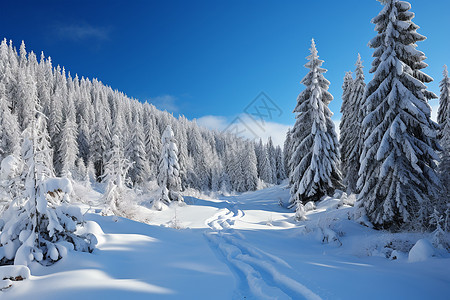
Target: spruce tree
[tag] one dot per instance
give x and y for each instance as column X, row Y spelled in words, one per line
column 9, row 128
column 69, row 144
column 350, row 137
column 168, row 172
column 116, row 169
column 250, row 172
column 135, row 152
column 280, row 170
column 397, row 173
column 272, row 157
column 444, row 132
column 287, row 152
column 315, row 148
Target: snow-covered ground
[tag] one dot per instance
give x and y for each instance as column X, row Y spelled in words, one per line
column 239, row 247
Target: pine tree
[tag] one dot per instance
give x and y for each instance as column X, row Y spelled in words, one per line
column 135, row 152
column 444, row 132
column 152, row 145
column 287, row 152
column 69, row 145
column 168, row 172
column 9, row 128
column 116, row 168
column 315, row 148
column 250, row 172
column 281, row 172
column 266, row 167
column 259, row 156
column 350, row 138
column 397, row 173
column 272, row 157
column 345, row 125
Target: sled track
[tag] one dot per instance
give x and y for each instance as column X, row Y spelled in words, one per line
column 257, row 272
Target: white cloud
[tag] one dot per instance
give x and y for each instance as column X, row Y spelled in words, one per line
column 213, row 122
column 82, row 31
column 245, row 126
column 165, row 102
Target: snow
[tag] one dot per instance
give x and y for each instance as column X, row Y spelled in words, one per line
column 235, row 247
column 421, row 251
column 55, row 184
column 9, row 167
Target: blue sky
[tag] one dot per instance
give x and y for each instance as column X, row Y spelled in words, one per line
column 212, row 58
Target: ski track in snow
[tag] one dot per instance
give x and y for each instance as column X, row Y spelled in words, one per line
column 257, row 272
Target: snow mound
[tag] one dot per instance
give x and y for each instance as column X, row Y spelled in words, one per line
column 14, row 272
column 8, row 274
column 56, row 184
column 421, row 251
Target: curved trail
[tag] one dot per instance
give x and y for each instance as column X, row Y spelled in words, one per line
column 259, row 274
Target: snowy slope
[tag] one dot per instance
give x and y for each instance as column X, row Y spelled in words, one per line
column 244, row 246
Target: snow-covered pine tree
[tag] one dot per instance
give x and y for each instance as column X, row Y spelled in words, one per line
column 168, row 172
column 357, row 100
column 259, row 155
column 350, row 138
column 116, row 169
column 272, row 157
column 315, row 148
column 344, row 126
column 281, row 172
column 183, row 159
column 99, row 141
column 266, row 167
column 40, row 226
column 398, row 161
column 287, row 152
column 444, row 132
column 69, row 145
column 27, row 92
column 249, row 170
column 9, row 128
column 135, row 152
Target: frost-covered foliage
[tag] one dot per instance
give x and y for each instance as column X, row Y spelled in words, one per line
column 279, row 167
column 9, row 128
column 39, row 225
column 11, row 183
column 116, row 168
column 398, row 161
column 68, row 149
column 169, row 171
column 287, row 152
column 350, row 126
column 135, row 151
column 315, row 153
column 444, row 133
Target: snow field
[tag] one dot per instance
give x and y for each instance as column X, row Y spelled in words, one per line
column 239, row 246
